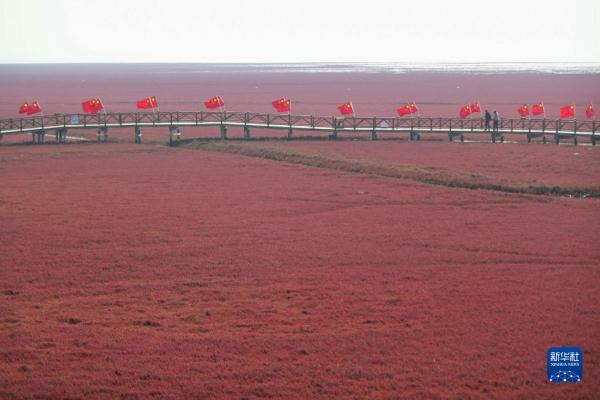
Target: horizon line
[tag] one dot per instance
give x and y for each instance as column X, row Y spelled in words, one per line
column 302, row 62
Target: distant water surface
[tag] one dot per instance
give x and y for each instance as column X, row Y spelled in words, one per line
column 397, row 68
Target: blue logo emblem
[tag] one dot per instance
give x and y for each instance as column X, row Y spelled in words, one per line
column 565, row 364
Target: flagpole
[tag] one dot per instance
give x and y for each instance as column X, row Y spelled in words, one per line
column 544, row 108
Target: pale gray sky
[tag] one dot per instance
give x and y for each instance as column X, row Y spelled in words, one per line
column 299, row 31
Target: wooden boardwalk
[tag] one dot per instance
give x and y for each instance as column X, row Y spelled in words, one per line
column 412, row 128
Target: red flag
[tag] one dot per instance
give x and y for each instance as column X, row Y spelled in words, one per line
column 92, row 106
column 346, row 108
column 404, row 110
column 148, row 102
column 538, row 109
column 24, row 109
column 215, row 102
column 475, row 107
column 465, row 111
column 408, row 108
column 567, row 111
column 523, row 110
column 34, row 108
column 282, row 105
column 589, row 111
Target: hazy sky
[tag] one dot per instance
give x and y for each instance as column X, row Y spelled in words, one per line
column 299, row 31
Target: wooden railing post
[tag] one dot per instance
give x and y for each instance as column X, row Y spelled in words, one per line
column 335, row 126
column 374, row 131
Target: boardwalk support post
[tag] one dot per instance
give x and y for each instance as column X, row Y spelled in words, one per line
column 246, row 132
column 174, row 133
column 593, row 133
column 575, row 133
column 138, row 135
column 102, row 134
column 223, row 132
column 39, row 136
column 290, row 132
column 60, row 135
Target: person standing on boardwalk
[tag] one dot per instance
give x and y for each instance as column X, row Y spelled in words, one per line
column 488, row 118
column 496, row 121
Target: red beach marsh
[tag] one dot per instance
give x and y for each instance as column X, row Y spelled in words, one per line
column 293, row 269
column 146, row 271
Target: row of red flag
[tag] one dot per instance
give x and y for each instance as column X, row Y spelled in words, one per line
column 567, row 111
column 93, row 106
column 469, row 109
column 536, row 109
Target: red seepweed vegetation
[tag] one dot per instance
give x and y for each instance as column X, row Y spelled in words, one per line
column 145, row 271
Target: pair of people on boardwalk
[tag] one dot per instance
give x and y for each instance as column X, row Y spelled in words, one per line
column 495, row 118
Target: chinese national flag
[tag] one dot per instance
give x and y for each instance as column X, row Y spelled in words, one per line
column 346, row 108
column 24, row 109
column 538, row 109
column 408, row 108
column 282, row 105
column 92, row 106
column 567, row 111
column 523, row 110
column 34, row 108
column 148, row 102
column 589, row 111
column 404, row 110
column 215, row 102
column 475, row 107
column 465, row 111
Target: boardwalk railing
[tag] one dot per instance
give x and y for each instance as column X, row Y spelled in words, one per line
column 415, row 127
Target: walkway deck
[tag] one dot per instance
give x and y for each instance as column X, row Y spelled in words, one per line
column 39, row 126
